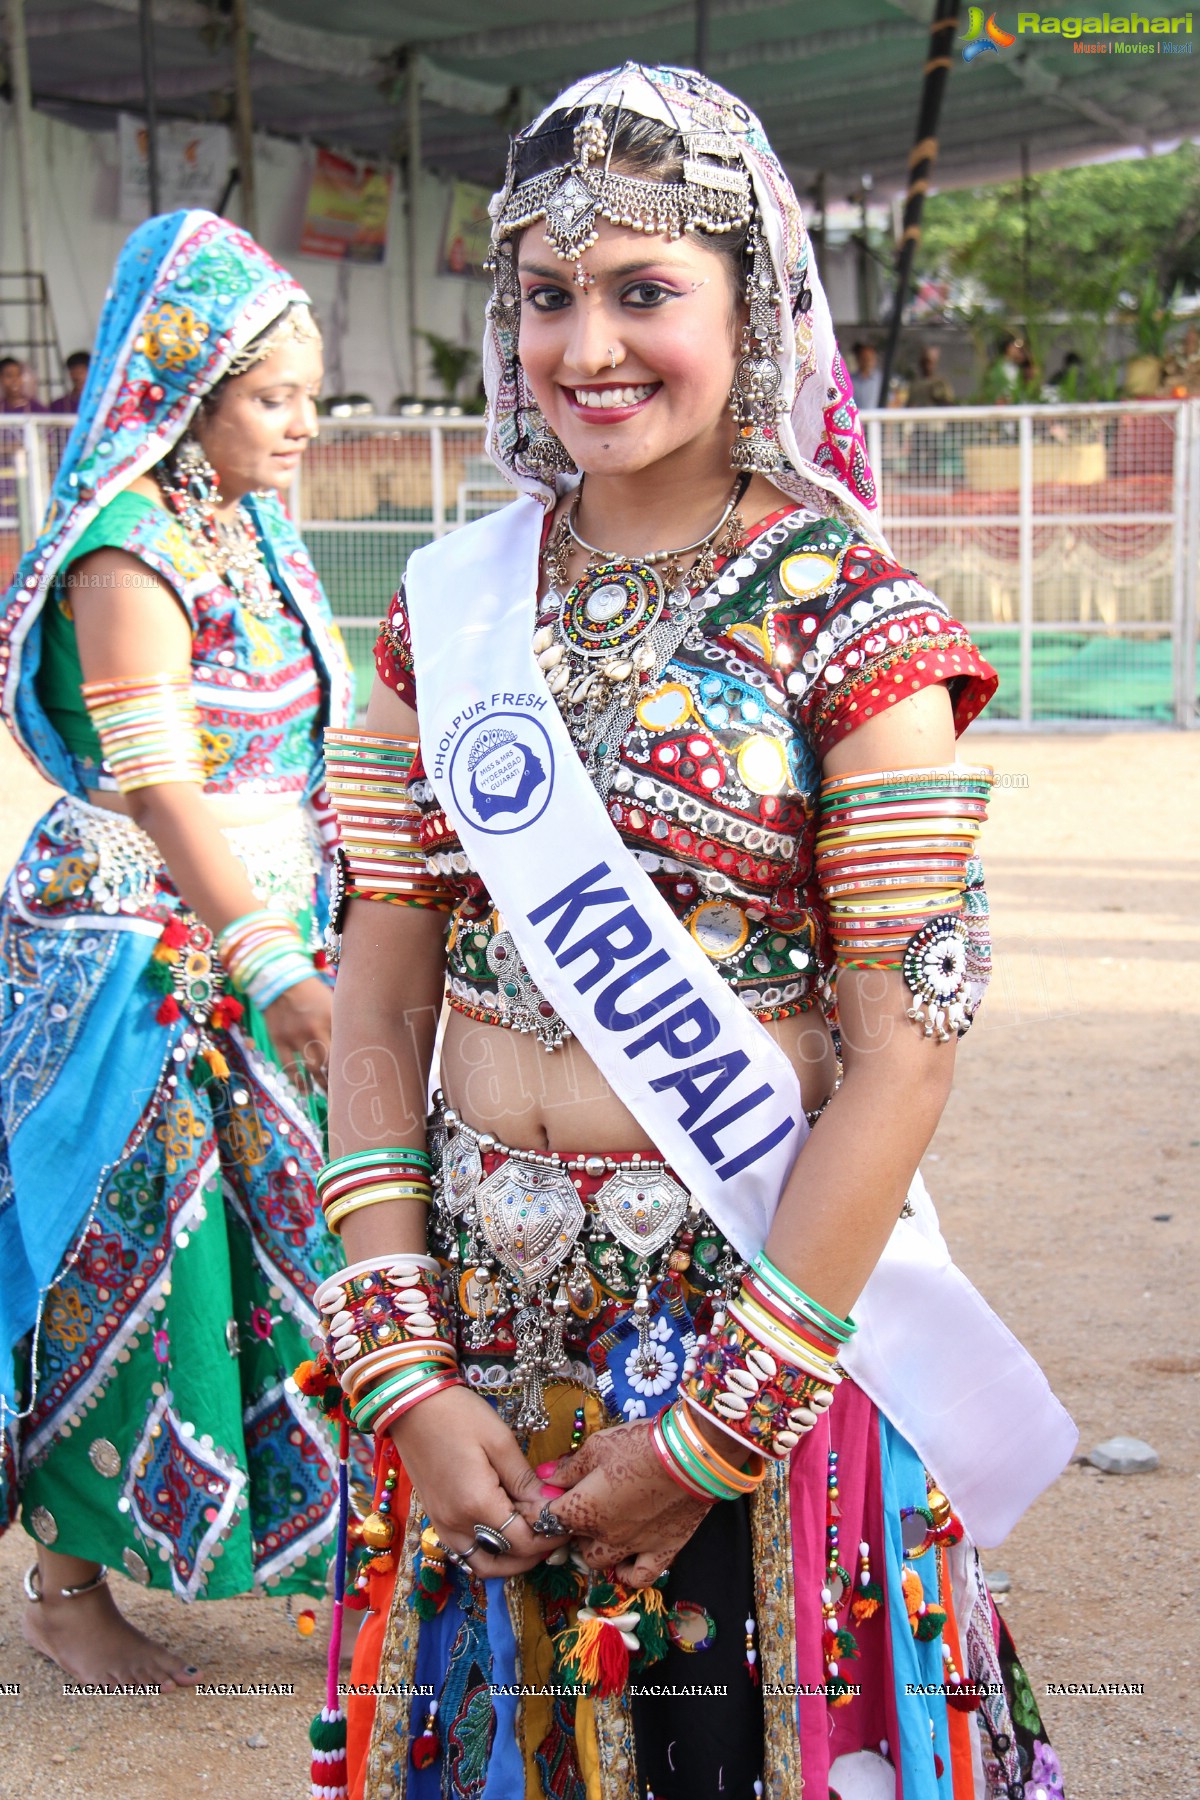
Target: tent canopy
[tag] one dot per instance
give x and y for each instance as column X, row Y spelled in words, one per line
column 836, row 86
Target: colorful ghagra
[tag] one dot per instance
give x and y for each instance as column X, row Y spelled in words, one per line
column 158, row 1224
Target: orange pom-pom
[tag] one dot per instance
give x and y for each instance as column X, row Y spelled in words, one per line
column 306, row 1623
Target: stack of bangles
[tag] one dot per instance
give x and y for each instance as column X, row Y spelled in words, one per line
column 371, row 1178
column 264, row 955
column 149, row 729
column 892, row 851
column 763, row 1376
column 389, row 1337
column 366, row 775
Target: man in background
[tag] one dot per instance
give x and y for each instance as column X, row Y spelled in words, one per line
column 15, row 386
column 78, row 364
column 929, row 388
column 866, row 378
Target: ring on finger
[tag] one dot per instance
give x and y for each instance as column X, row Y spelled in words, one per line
column 548, row 1524
column 488, row 1538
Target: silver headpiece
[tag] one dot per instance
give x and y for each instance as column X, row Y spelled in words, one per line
column 714, row 194
column 295, row 326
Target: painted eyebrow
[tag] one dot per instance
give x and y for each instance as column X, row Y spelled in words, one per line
column 559, row 274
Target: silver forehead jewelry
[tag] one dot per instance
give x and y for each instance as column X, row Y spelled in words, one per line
column 715, row 193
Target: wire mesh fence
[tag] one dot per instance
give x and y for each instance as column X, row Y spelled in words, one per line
column 1066, row 537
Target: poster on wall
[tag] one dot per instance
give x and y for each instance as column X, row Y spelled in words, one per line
column 467, row 232
column 346, row 217
column 193, row 163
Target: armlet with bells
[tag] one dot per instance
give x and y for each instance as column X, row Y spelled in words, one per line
column 903, row 886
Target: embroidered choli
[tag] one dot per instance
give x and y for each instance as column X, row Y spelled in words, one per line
column 256, row 682
column 805, row 635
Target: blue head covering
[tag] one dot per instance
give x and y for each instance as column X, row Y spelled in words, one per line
column 188, row 293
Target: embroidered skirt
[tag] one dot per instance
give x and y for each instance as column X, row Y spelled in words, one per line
column 161, row 1224
column 847, row 1554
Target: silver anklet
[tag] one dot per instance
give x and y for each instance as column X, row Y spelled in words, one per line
column 33, row 1589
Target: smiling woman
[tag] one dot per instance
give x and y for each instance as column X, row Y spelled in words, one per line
column 671, row 740
column 171, row 662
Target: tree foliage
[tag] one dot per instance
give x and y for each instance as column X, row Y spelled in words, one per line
column 1106, row 241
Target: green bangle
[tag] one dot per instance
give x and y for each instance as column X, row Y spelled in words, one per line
column 795, row 1296
column 687, row 1459
column 374, row 1402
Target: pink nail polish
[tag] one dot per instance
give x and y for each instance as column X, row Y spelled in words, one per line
column 550, row 1492
column 544, row 1469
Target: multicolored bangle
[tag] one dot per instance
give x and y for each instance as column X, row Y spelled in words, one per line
column 691, row 1461
column 372, row 1178
column 767, row 1369
column 366, row 774
column 149, row 729
column 389, row 1337
column 263, row 955
column 893, row 853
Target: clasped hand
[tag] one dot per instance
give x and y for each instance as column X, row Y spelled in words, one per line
column 620, row 1505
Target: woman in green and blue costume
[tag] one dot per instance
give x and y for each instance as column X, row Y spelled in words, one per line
column 170, row 661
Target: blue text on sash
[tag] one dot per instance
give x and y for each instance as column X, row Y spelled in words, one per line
column 593, row 923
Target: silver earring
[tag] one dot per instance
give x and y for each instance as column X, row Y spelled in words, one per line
column 542, row 450
column 754, row 399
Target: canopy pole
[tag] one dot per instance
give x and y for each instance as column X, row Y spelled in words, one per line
column 921, row 160
column 413, row 91
column 150, row 100
column 22, row 106
column 243, row 116
column 703, row 15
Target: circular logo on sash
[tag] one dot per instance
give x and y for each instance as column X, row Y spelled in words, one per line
column 502, row 773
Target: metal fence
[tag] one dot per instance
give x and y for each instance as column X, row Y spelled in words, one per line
column 1066, row 537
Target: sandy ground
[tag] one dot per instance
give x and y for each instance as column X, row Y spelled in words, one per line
column 1065, row 1171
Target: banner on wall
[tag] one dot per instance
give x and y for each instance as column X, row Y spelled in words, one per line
column 467, row 232
column 346, row 217
column 193, row 163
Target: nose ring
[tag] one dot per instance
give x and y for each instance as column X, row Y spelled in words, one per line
column 612, row 357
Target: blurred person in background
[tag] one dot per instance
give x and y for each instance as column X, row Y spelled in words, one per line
column 77, row 366
column 16, row 387
column 928, row 389
column 866, row 377
column 171, row 661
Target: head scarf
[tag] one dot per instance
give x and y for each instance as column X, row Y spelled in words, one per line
column 821, row 436
column 188, row 294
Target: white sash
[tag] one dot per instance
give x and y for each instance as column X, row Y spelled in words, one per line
column 710, row 1086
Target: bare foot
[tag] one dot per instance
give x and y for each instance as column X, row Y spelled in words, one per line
column 90, row 1640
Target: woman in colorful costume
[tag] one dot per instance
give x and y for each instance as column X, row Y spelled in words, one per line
column 169, row 660
column 707, row 1523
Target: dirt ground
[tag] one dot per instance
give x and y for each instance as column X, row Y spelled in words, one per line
column 1065, row 1172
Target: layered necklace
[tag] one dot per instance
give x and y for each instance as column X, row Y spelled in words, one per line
column 189, row 487
column 601, row 638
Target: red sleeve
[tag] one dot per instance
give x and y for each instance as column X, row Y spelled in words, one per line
column 393, row 652
column 882, row 637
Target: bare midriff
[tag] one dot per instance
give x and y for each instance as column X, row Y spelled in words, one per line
column 504, row 1082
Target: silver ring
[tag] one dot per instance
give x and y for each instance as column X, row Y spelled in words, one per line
column 547, row 1524
column 488, row 1538
column 612, row 357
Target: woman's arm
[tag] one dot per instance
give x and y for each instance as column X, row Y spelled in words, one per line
column 464, row 1462
column 850, row 1180
column 387, row 1001
column 129, row 624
